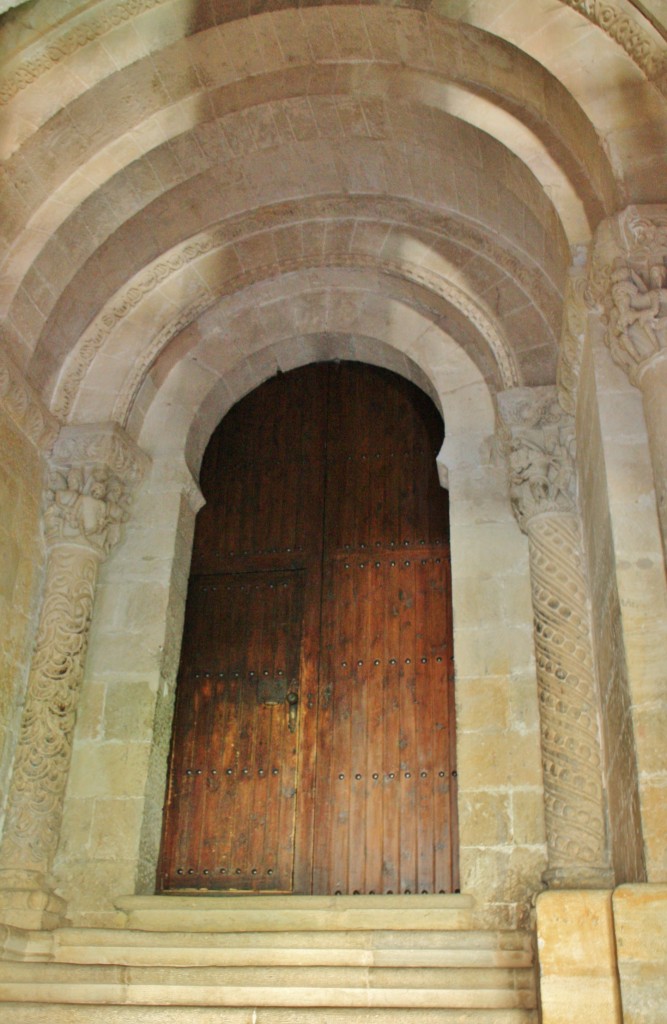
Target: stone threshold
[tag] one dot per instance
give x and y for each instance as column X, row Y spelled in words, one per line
column 238, row 912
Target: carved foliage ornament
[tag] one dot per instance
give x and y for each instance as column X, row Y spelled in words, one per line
column 538, row 439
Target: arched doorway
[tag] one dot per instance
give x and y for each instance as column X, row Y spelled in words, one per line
column 313, row 747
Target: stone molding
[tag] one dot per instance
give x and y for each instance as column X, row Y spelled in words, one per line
column 575, row 314
column 171, row 473
column 626, row 30
column 24, row 407
column 537, row 436
column 67, row 37
column 87, row 499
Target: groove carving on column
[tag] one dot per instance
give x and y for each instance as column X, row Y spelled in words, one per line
column 571, row 753
column 538, row 439
column 45, row 739
column 86, row 503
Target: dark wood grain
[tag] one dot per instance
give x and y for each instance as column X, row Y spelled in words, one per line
column 321, row 558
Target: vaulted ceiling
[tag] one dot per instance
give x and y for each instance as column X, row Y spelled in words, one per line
column 197, row 191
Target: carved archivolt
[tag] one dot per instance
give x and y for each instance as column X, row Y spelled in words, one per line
column 627, row 30
column 538, row 438
column 128, row 298
column 24, row 407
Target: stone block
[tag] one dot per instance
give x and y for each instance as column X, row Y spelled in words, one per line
column 129, row 711
column 484, row 818
column 528, row 816
column 640, row 922
column 577, row 958
column 109, row 769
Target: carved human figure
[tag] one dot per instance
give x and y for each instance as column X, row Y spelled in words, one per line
column 638, row 317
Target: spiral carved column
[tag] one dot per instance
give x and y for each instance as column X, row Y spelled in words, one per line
column 538, row 438
column 86, row 503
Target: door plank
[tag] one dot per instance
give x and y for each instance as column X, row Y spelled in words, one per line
column 328, row 466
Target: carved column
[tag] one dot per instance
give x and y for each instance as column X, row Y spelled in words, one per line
column 93, row 471
column 629, row 283
column 538, row 437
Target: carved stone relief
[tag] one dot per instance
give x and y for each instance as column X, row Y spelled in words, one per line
column 628, row 288
column 86, row 503
column 538, row 438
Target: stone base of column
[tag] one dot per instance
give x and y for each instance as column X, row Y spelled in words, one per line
column 26, row 901
column 579, row 878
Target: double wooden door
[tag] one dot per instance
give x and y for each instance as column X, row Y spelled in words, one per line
column 313, row 743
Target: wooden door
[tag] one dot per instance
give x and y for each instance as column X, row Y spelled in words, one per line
column 313, row 740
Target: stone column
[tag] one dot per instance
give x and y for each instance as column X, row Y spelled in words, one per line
column 93, row 470
column 538, row 437
column 628, row 282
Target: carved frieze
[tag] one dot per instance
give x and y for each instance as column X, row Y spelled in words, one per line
column 538, row 438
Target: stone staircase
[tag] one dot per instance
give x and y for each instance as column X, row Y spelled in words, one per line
column 272, row 960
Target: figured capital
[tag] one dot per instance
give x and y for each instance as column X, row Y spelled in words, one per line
column 537, row 436
column 93, row 472
column 628, row 285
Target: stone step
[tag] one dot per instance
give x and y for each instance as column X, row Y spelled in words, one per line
column 295, row 985
column 33, row 1013
column 230, row 913
column 292, row 975
column 376, row 949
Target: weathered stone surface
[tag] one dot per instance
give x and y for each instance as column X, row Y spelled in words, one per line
column 578, row 975
column 640, row 923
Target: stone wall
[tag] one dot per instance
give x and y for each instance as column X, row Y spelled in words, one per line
column 21, row 565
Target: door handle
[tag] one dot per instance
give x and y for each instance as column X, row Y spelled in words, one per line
column 292, row 700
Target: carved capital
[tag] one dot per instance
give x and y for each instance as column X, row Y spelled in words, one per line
column 24, row 407
column 93, row 472
column 628, row 284
column 537, row 436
